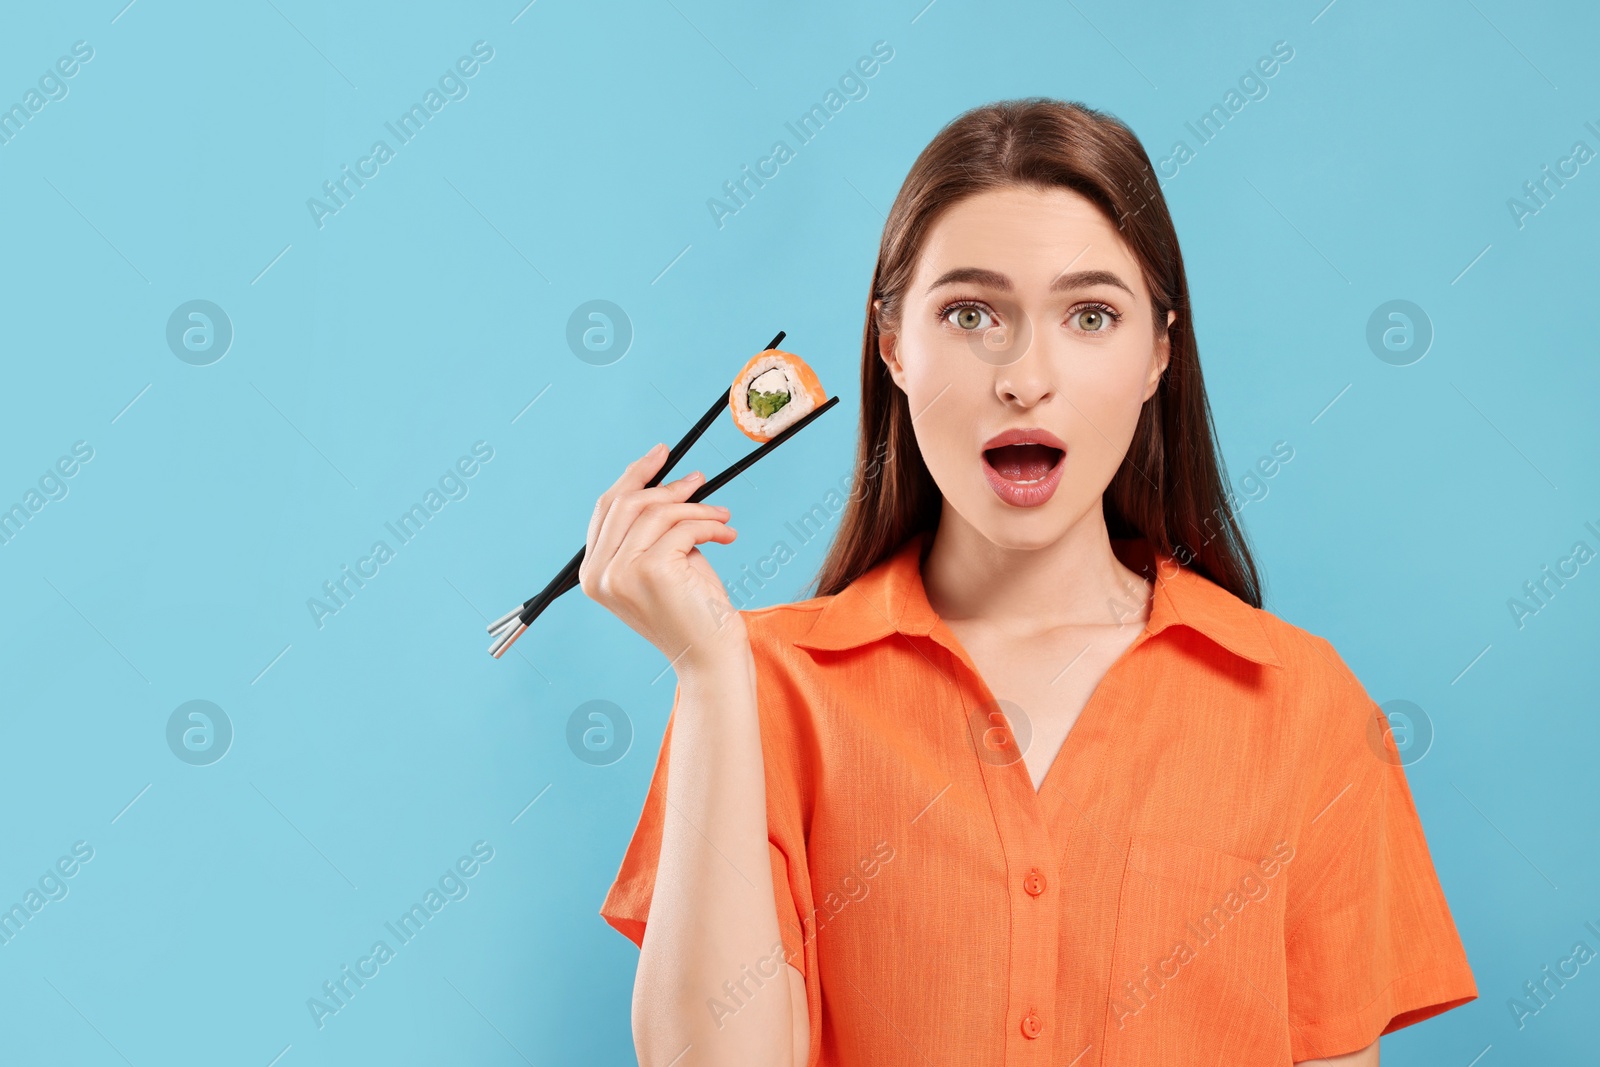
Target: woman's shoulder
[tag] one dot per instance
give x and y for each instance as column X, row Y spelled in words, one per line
column 795, row 645
column 1294, row 657
column 1312, row 667
column 799, row 613
column 1308, row 695
column 775, row 629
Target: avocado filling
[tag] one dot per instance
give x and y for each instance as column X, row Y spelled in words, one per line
column 765, row 405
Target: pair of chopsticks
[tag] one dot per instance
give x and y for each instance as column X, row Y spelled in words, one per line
column 514, row 623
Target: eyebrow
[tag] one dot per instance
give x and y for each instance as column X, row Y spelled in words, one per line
column 994, row 279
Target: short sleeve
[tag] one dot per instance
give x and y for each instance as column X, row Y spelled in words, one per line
column 627, row 903
column 1370, row 943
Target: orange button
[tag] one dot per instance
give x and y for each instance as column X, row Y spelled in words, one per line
column 1032, row 1025
column 1034, row 882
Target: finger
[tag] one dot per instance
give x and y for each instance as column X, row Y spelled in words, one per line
column 634, row 476
column 685, row 535
column 646, row 531
column 625, row 510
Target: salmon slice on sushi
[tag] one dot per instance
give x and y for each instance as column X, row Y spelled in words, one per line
column 773, row 391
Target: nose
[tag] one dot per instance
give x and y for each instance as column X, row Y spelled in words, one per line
column 1026, row 382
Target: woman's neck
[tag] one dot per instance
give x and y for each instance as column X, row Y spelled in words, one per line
column 1075, row 581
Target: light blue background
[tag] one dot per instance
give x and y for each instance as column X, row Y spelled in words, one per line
column 425, row 316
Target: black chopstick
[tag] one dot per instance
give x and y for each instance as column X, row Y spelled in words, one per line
column 557, row 585
column 514, row 623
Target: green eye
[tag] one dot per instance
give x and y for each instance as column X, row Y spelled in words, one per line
column 1096, row 318
column 969, row 318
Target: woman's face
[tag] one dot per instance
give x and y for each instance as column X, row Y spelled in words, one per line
column 1026, row 313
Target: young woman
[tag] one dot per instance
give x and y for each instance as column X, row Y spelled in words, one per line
column 1033, row 779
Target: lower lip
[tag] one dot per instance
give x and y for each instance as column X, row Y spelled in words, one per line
column 1024, row 495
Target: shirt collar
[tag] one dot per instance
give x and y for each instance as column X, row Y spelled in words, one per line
column 889, row 598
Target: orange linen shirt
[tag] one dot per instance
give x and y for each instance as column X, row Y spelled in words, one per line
column 1223, row 865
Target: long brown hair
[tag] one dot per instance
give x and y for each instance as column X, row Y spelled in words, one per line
column 1171, row 490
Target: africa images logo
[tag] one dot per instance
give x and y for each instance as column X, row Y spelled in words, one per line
column 452, row 86
column 741, row 189
column 1137, row 994
column 453, row 885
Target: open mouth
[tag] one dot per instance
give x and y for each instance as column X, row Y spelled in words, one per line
column 1024, row 475
column 1024, row 464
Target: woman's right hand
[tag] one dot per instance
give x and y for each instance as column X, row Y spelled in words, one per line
column 641, row 563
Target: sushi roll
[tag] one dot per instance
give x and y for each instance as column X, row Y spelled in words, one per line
column 772, row 392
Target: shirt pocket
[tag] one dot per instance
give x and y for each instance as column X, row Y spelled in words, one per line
column 1197, row 968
